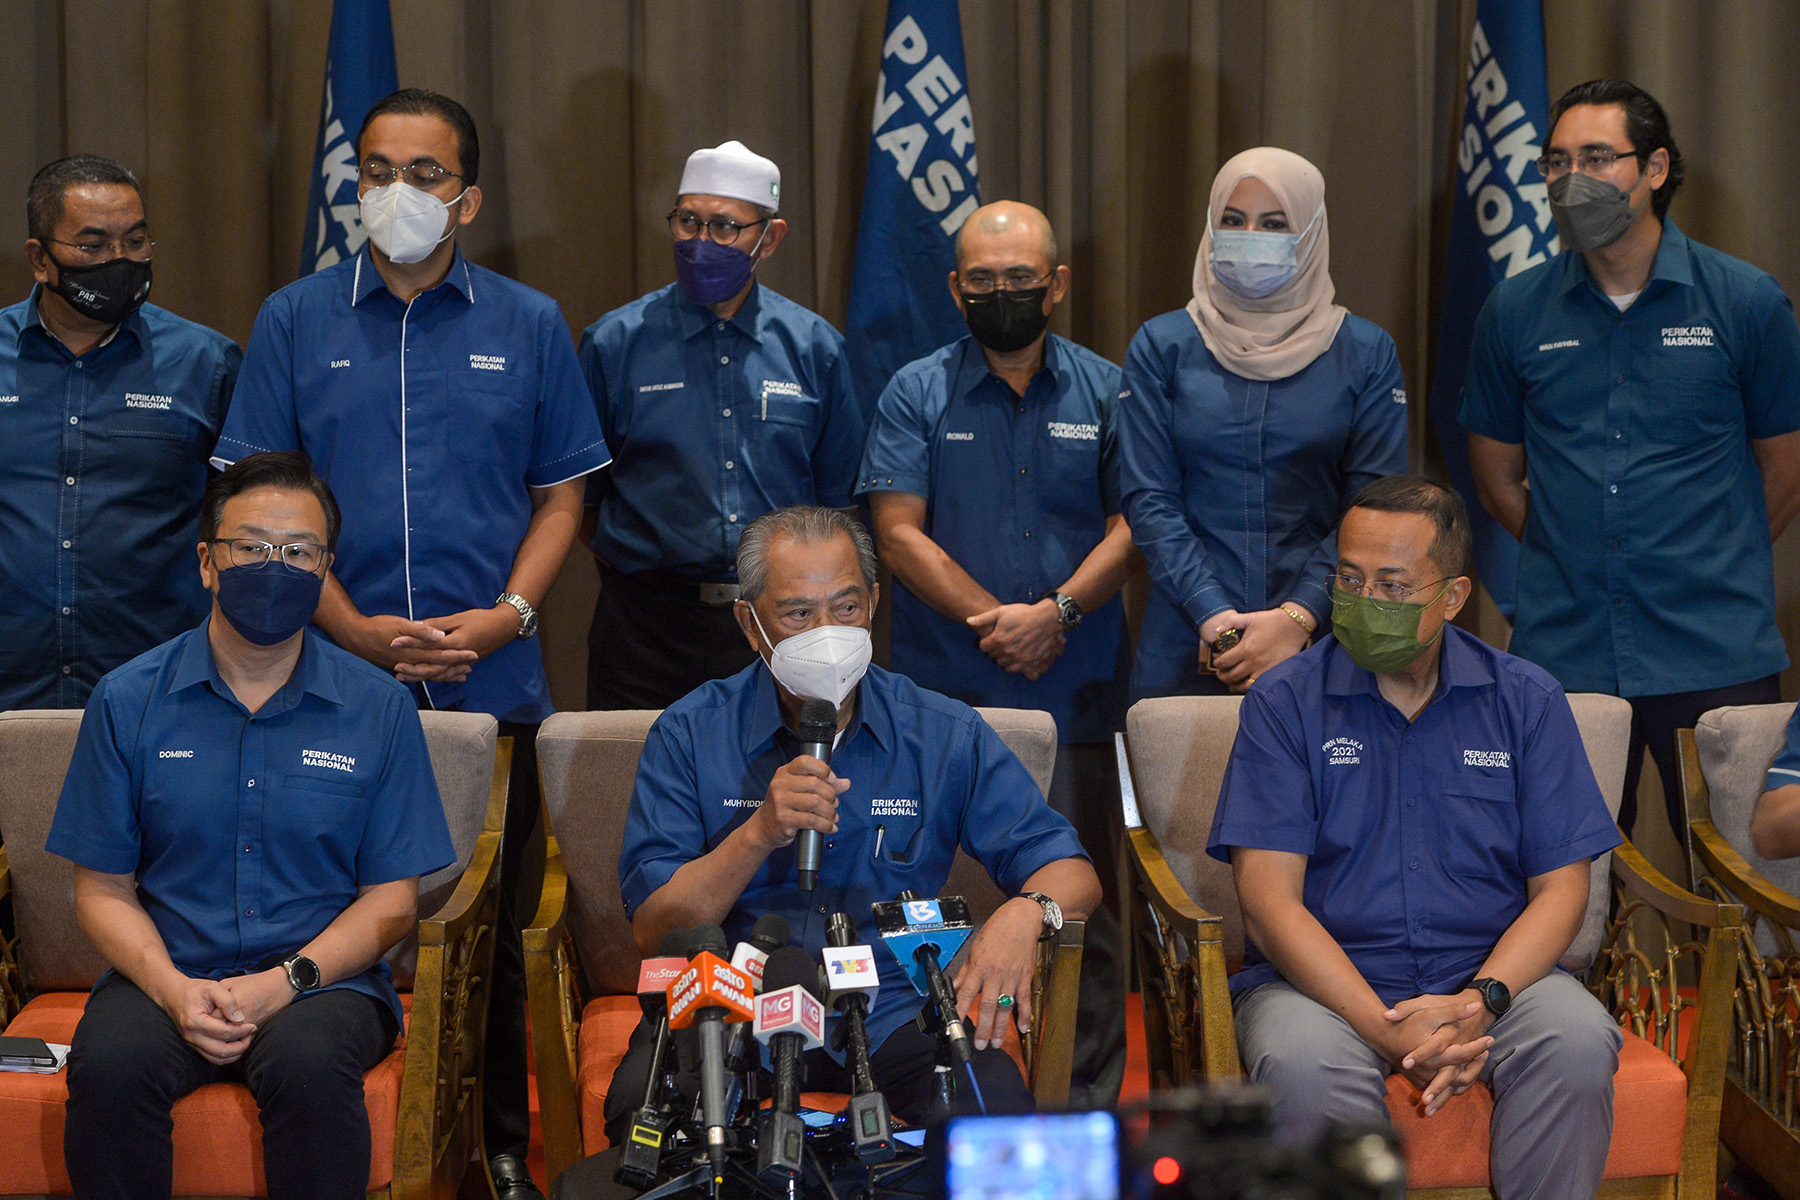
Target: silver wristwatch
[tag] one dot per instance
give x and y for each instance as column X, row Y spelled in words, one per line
column 1053, row 918
column 528, row 616
column 1068, row 612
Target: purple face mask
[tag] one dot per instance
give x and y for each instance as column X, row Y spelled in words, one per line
column 711, row 273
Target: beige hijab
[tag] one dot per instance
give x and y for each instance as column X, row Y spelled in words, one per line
column 1279, row 335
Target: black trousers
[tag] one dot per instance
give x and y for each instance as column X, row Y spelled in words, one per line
column 653, row 641
column 1654, row 720
column 129, row 1064
column 506, row 1100
column 1085, row 789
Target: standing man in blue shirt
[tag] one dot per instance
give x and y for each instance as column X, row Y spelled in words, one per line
column 722, row 401
column 1633, row 408
column 992, row 476
column 109, row 408
column 249, row 810
column 445, row 405
column 1410, row 817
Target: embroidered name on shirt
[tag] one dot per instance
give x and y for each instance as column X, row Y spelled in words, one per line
column 146, row 400
column 1487, row 758
column 662, row 387
column 742, row 802
column 487, row 362
column 1567, row 343
column 339, row 363
column 893, row 806
column 324, row 758
column 174, row 754
column 9, row 399
column 959, row 437
column 1074, row 432
column 1342, row 752
column 1688, row 335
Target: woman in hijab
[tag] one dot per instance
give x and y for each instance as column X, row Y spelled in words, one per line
column 1247, row 421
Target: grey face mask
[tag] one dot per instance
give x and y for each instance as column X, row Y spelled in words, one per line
column 1590, row 213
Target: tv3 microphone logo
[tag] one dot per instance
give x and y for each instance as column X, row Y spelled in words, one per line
column 852, row 966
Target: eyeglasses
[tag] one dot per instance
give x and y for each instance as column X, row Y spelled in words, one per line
column 93, row 250
column 983, row 283
column 296, row 556
column 420, row 175
column 1389, row 595
column 723, row 230
column 1589, row 162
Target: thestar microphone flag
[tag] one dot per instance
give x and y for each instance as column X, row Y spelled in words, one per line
column 359, row 70
column 1500, row 225
column 920, row 187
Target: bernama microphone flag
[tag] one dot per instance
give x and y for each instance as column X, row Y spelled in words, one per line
column 1500, row 225
column 920, row 187
column 359, row 70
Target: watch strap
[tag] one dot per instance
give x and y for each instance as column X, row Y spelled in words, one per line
column 528, row 615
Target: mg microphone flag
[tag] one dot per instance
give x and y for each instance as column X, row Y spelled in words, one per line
column 359, row 70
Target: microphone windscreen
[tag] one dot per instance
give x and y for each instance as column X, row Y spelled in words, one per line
column 770, row 933
column 674, row 942
column 818, row 721
column 709, row 938
column 791, row 966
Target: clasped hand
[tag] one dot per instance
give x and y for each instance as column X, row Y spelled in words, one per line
column 1269, row 637
column 1439, row 1043
column 219, row 1017
column 441, row 649
column 1023, row 638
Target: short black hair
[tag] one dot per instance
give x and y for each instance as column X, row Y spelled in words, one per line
column 44, row 198
column 1452, row 546
column 418, row 102
column 1646, row 124
column 289, row 470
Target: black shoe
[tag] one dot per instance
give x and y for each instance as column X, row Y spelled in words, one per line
column 511, row 1180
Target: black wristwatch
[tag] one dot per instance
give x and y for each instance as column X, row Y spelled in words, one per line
column 1494, row 994
column 302, row 973
column 1068, row 612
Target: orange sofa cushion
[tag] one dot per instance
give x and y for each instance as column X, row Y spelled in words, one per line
column 218, row 1137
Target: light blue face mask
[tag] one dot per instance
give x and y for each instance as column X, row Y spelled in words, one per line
column 1253, row 263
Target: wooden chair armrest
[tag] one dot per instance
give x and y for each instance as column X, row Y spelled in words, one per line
column 1056, row 989
column 1741, row 879
column 1161, row 888
column 1646, row 883
column 552, row 995
column 12, row 983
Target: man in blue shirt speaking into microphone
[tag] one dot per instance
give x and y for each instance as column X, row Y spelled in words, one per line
column 723, row 791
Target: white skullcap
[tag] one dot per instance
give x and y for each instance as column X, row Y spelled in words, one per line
column 733, row 171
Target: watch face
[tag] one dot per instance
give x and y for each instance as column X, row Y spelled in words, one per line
column 303, row 973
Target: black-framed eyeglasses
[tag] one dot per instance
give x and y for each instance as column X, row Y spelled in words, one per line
column 983, row 283
column 297, row 556
column 723, row 230
column 132, row 245
column 420, row 175
column 1389, row 595
column 1589, row 162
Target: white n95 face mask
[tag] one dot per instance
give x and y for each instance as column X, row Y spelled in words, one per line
column 824, row 663
column 405, row 223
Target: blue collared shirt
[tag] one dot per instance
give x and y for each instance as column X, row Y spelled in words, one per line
column 250, row 833
column 432, row 463
column 1017, row 491
column 714, row 424
column 1233, row 487
column 926, row 775
column 1785, row 770
column 102, row 464
column 1646, row 566
column 1419, row 836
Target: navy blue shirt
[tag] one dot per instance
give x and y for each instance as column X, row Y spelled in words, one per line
column 714, row 423
column 431, row 463
column 926, row 774
column 102, row 464
column 1419, row 836
column 250, row 833
column 1233, row 487
column 1017, row 491
column 1646, row 567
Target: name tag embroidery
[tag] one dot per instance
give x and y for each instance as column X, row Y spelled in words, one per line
column 1342, row 752
column 487, row 362
column 1687, row 335
column 145, row 400
column 1488, row 758
column 1072, row 431
column 1565, row 344
column 328, row 760
column 894, row 806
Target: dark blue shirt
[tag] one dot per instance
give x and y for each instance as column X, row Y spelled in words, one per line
column 926, row 774
column 1785, row 770
column 1646, row 566
column 1017, row 491
column 1419, row 836
column 102, row 464
column 250, row 833
column 714, row 423
column 1233, row 487
column 432, row 463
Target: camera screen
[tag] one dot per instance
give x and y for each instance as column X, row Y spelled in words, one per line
column 1043, row 1156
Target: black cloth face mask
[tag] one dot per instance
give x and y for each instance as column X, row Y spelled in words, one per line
column 1006, row 321
column 108, row 292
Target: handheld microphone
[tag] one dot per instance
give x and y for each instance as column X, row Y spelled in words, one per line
column 706, row 995
column 789, row 1020
column 852, row 981
column 769, row 934
column 818, row 730
column 924, row 934
column 641, row 1156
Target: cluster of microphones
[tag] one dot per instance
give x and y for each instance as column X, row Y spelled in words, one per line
column 712, row 1009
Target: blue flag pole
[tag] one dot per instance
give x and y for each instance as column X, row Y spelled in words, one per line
column 1500, row 225
column 359, row 70
column 920, row 187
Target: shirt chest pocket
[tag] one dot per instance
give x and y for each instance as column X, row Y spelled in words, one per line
column 163, row 424
column 786, row 408
column 313, row 810
column 1698, row 387
column 1477, row 826
column 490, row 417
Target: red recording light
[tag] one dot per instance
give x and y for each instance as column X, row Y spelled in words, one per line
column 1165, row 1170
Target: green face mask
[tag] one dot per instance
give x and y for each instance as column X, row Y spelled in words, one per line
column 1378, row 640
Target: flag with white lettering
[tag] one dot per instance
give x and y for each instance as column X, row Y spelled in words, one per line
column 1500, row 225
column 359, row 70
column 920, row 187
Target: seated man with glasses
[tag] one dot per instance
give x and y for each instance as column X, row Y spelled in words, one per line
column 249, row 810
column 1410, row 819
column 721, row 400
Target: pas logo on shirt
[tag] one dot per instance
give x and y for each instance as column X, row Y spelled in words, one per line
column 1488, row 758
column 1687, row 335
column 1074, row 431
column 1342, row 752
column 894, row 806
column 328, row 760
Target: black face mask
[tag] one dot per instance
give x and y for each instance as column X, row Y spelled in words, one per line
column 1006, row 321
column 107, row 293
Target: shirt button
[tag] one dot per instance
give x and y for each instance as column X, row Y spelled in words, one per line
column 726, row 413
column 70, row 480
column 66, row 670
column 821, row 910
column 1613, row 488
column 66, row 612
column 1028, row 533
column 729, row 465
column 1021, row 470
column 1410, row 803
column 67, row 545
column 246, row 849
column 1617, row 434
column 250, row 783
column 732, row 518
column 249, row 912
column 1413, row 865
column 75, row 420
column 720, row 327
column 724, row 358
column 1021, row 408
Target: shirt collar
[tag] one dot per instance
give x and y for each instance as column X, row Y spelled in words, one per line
column 195, row 665
column 133, row 324
column 765, row 721
column 366, row 280
column 971, row 366
column 1459, row 665
column 1673, row 262
column 694, row 319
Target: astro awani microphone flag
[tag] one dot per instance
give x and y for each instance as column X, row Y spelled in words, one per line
column 359, row 70
column 920, row 187
column 1500, row 225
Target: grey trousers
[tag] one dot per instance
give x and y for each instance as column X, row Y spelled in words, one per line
column 1550, row 1069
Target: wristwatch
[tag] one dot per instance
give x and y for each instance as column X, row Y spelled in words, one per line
column 528, row 617
column 1068, row 611
column 1494, row 994
column 1053, row 918
column 302, row 973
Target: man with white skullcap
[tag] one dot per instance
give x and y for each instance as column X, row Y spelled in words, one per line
column 721, row 401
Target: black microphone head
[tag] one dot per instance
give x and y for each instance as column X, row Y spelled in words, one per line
column 674, row 943
column 708, row 938
column 791, row 966
column 770, row 933
column 818, row 721
column 840, row 930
